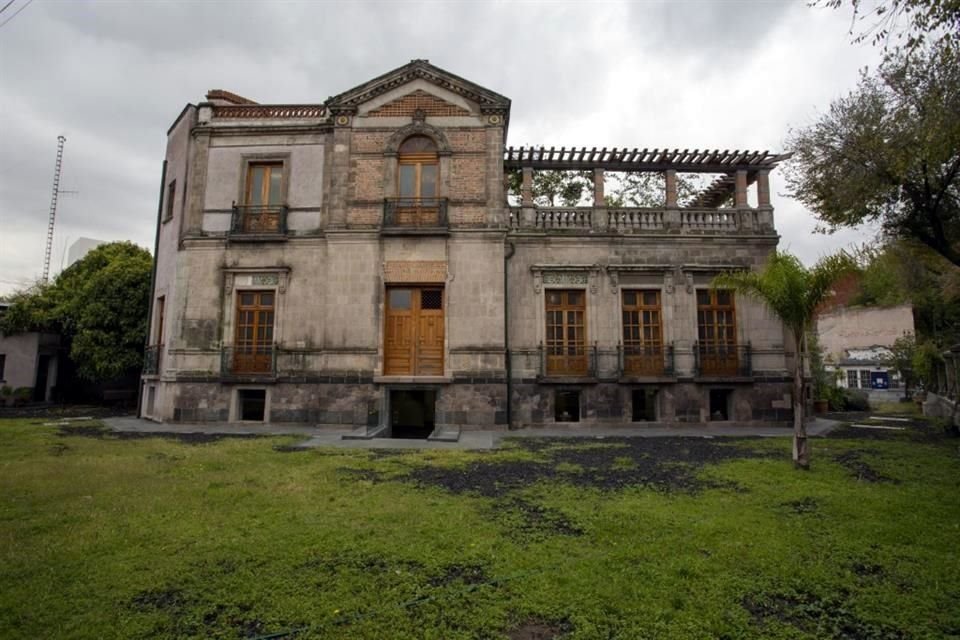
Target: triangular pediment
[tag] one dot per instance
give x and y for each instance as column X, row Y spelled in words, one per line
column 419, row 82
column 418, row 100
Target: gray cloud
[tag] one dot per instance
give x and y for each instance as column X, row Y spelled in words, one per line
column 112, row 76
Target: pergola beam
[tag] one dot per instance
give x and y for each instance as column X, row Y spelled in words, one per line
column 696, row 161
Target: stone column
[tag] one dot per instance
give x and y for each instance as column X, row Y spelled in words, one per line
column 598, row 218
column 763, row 188
column 528, row 212
column 526, row 188
column 671, row 176
column 740, row 193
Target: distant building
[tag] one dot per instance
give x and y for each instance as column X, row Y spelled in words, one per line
column 856, row 340
column 29, row 360
column 81, row 248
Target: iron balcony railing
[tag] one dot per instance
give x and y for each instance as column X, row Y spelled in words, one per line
column 252, row 359
column 256, row 220
column 151, row 359
column 415, row 213
column 638, row 361
column 714, row 360
column 572, row 361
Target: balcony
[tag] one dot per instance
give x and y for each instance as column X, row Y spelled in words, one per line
column 415, row 215
column 258, row 222
column 723, row 360
column 249, row 361
column 639, row 220
column 642, row 361
column 568, row 365
column 151, row 359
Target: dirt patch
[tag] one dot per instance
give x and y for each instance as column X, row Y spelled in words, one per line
column 165, row 599
column 826, row 618
column 540, row 630
column 468, row 574
column 802, row 506
column 100, row 432
column 853, row 462
column 667, row 464
column 528, row 521
column 916, row 430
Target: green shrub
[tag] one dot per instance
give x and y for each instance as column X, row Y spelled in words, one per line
column 855, row 400
column 22, row 395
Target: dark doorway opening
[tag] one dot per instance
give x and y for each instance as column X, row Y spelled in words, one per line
column 43, row 371
column 567, row 406
column 720, row 404
column 644, row 405
column 412, row 413
column 253, row 404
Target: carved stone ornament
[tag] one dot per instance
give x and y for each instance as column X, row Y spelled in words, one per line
column 668, row 285
column 689, row 278
column 228, row 283
column 266, row 279
column 594, row 278
column 419, row 115
column 417, row 128
column 564, row 278
column 614, row 277
column 537, row 281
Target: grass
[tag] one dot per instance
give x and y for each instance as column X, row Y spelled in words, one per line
column 104, row 537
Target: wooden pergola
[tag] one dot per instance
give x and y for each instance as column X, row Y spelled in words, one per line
column 738, row 169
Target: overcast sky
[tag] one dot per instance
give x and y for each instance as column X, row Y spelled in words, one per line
column 112, row 76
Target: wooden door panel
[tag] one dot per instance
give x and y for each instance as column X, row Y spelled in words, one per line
column 413, row 335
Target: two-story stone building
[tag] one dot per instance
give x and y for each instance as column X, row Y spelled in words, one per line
column 356, row 263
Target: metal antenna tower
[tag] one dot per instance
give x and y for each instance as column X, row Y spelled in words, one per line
column 53, row 207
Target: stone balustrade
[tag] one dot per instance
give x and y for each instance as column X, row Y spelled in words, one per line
column 627, row 220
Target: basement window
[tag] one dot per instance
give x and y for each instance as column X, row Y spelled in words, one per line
column 252, row 404
column 644, row 405
column 567, row 406
column 720, row 404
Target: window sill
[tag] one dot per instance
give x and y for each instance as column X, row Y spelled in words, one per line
column 567, row 380
column 412, row 379
column 646, row 379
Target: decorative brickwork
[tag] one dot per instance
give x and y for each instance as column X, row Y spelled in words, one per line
column 415, row 271
column 429, row 104
column 368, row 178
column 468, row 215
column 468, row 178
column 466, row 141
column 370, row 141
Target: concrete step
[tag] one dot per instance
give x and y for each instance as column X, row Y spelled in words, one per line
column 366, row 433
column 445, row 434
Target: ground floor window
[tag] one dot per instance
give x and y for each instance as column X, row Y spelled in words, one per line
column 720, row 404
column 567, row 406
column 851, row 378
column 864, row 378
column 644, row 405
column 252, row 404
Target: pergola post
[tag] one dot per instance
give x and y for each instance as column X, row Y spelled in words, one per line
column 740, row 191
column 765, row 213
column 599, row 218
column 526, row 188
column 671, row 176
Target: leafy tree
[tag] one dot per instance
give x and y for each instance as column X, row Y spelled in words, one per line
column 647, row 189
column 99, row 306
column 568, row 188
column 888, row 152
column 902, row 355
column 906, row 21
column 793, row 292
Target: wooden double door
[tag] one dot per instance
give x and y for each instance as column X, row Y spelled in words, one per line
column 413, row 335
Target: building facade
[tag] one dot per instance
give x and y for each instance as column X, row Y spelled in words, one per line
column 357, row 263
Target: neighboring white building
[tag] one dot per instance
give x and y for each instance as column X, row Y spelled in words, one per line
column 29, row 360
column 81, row 248
column 856, row 340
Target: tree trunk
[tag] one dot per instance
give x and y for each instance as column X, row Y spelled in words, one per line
column 801, row 453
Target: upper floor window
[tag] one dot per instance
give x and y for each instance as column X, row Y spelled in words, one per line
column 171, row 193
column 717, row 332
column 264, row 184
column 418, row 168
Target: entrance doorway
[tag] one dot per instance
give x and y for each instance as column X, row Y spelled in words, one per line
column 412, row 413
column 413, row 336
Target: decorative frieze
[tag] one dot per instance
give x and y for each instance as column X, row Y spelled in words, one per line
column 415, row 271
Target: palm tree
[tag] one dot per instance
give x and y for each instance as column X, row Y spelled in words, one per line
column 793, row 293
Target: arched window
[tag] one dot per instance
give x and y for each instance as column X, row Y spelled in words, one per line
column 418, row 168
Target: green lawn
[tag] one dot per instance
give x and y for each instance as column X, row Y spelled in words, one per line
column 103, row 537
